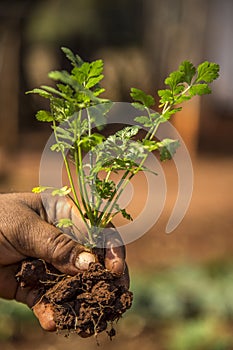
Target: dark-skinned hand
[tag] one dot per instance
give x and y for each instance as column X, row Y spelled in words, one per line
column 27, row 230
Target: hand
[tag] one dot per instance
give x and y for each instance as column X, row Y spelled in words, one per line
column 26, row 230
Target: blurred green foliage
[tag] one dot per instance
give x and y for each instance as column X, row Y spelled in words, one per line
column 184, row 292
column 192, row 305
column 200, row 335
column 12, row 316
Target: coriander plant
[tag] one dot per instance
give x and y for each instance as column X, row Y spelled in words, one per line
column 77, row 114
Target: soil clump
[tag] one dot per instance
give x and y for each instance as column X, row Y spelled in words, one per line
column 86, row 303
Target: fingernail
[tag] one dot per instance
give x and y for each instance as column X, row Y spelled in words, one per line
column 116, row 266
column 83, row 260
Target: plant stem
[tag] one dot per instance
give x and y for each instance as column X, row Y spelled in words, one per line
column 70, row 178
column 106, row 212
column 90, row 158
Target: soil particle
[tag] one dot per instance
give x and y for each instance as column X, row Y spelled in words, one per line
column 85, row 303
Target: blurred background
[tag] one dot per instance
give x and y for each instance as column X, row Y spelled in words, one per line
column 182, row 282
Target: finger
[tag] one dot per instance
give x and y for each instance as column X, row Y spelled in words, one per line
column 53, row 208
column 124, row 279
column 36, row 238
column 114, row 251
column 63, row 207
column 45, row 314
column 8, row 283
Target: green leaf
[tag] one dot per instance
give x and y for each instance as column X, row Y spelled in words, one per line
column 75, row 59
column 140, row 96
column 66, row 90
column 167, row 148
column 89, row 142
column 53, row 91
column 126, row 215
column 40, row 189
column 167, row 115
column 207, row 72
column 44, row 116
column 64, row 223
column 40, row 92
column 89, row 74
column 105, row 188
column 127, row 132
column 144, row 120
column 61, row 191
column 189, row 71
column 166, row 96
column 138, row 105
column 174, row 79
column 94, row 81
column 95, row 74
column 150, row 145
column 98, row 113
column 61, row 146
column 199, row 89
column 98, row 91
column 96, row 68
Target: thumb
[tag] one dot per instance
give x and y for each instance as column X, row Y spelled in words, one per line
column 58, row 249
column 32, row 236
column 39, row 239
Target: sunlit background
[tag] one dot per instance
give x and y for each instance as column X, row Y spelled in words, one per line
column 182, row 282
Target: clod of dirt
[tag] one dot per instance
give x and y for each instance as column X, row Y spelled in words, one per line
column 85, row 303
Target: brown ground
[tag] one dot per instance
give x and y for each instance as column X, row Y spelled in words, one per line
column 205, row 234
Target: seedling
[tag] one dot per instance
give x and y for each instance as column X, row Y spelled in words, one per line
column 77, row 114
column 87, row 302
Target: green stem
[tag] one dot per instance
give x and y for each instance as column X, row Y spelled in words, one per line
column 82, row 183
column 70, row 178
column 90, row 157
column 106, row 212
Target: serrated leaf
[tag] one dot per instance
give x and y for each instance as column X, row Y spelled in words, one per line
column 126, row 215
column 174, row 79
column 207, row 72
column 144, row 120
column 93, row 81
column 75, row 59
column 96, row 67
column 89, row 142
column 98, row 113
column 61, row 146
column 138, row 105
column 66, row 90
column 167, row 148
column 98, row 91
column 140, row 96
column 189, row 71
column 199, row 89
column 165, row 95
column 105, row 188
column 44, row 116
column 66, row 78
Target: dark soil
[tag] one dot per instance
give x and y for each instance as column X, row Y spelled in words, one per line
column 86, row 303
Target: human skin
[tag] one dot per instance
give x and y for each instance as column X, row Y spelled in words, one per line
column 27, row 230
